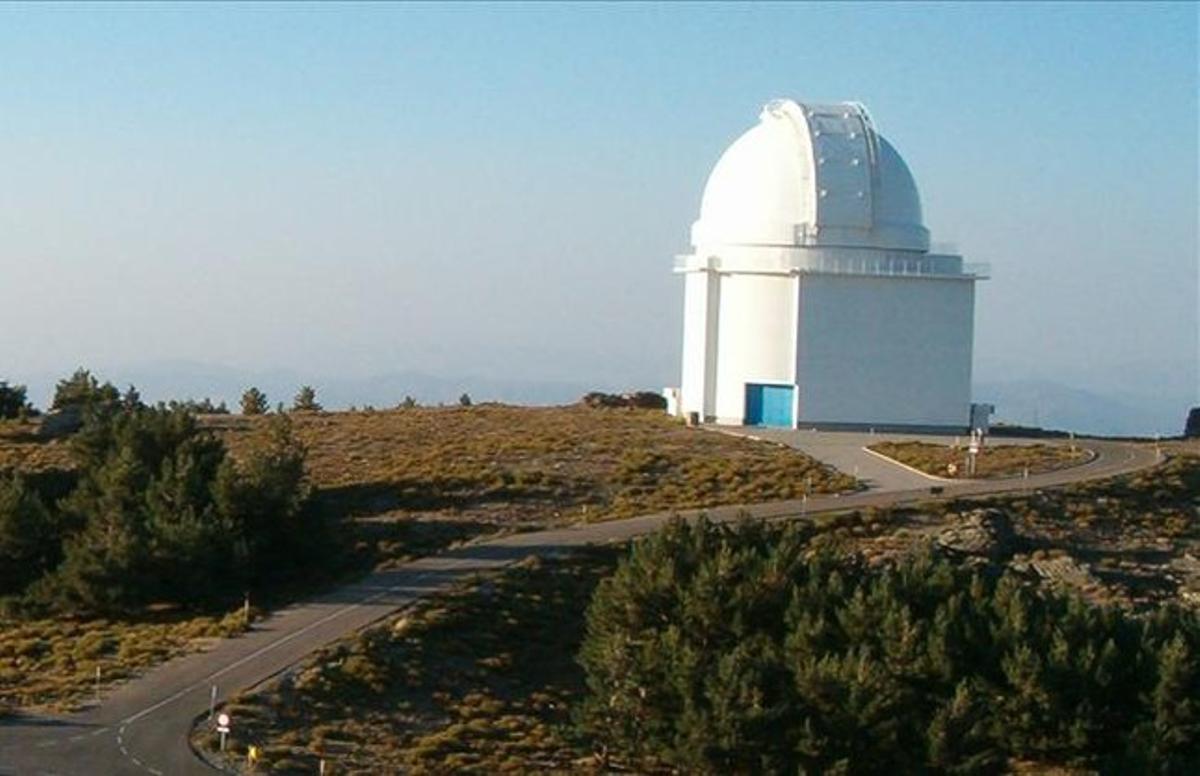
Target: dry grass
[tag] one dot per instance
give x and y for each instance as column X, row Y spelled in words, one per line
column 21, row 449
column 537, row 465
column 479, row 680
column 514, row 465
column 51, row 663
column 993, row 461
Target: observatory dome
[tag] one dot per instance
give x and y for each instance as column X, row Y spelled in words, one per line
column 812, row 175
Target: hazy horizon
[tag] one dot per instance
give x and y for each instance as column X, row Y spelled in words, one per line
column 352, row 192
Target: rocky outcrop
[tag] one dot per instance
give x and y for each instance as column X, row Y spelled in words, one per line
column 1065, row 571
column 60, row 422
column 981, row 533
column 645, row 400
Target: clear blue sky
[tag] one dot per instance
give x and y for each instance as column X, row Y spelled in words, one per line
column 341, row 189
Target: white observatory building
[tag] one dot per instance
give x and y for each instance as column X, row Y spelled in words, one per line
column 811, row 296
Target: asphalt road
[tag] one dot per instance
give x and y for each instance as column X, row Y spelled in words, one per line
column 142, row 726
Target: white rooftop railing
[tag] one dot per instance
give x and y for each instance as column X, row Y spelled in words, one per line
column 926, row 265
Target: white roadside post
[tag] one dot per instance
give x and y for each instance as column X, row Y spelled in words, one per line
column 212, row 702
column 97, row 683
column 223, row 728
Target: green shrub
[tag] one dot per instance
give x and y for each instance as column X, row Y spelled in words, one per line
column 738, row 649
column 162, row 514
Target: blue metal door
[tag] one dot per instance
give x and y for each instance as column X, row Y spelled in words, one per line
column 754, row 404
column 769, row 405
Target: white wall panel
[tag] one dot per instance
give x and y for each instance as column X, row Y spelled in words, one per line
column 885, row 350
column 755, row 340
column 695, row 342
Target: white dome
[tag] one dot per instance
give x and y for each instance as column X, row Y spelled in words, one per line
column 812, row 175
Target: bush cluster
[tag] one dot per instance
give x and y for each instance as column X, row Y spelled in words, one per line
column 645, row 400
column 82, row 390
column 158, row 512
column 739, row 649
column 13, row 401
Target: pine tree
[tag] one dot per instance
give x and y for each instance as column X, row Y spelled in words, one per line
column 737, row 648
column 83, row 390
column 13, row 402
column 264, row 498
column 30, row 536
column 1176, row 707
column 306, row 400
column 131, row 399
column 960, row 736
column 254, row 402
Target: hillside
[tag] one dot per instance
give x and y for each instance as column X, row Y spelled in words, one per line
column 536, row 465
column 485, row 678
column 400, row 484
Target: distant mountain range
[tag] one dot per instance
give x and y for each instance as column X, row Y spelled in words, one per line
column 1039, row 402
column 185, row 380
column 1054, row 405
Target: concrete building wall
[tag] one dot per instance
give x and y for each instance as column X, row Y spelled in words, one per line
column 755, row 341
column 875, row 350
column 701, row 314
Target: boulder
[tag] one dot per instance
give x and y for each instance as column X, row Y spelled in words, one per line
column 60, row 422
column 980, row 533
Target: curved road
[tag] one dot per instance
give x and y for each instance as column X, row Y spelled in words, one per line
column 142, row 726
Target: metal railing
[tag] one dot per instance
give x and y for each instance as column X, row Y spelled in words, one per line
column 926, row 265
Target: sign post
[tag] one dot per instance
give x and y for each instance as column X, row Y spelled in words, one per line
column 223, row 728
column 973, row 450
